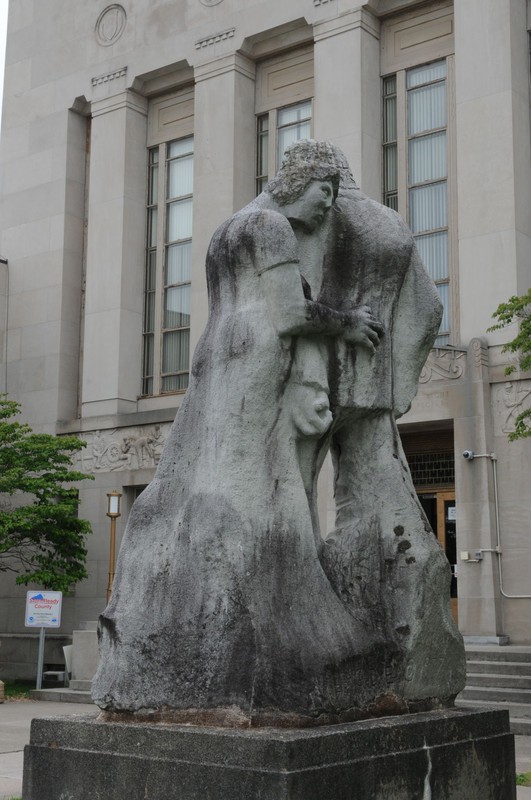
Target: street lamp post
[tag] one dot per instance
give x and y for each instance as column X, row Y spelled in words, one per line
column 113, row 511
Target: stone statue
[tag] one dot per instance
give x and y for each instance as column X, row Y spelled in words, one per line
column 228, row 607
column 381, row 530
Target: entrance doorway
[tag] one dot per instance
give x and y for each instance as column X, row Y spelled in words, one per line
column 439, row 507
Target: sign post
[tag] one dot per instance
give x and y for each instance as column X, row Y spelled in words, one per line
column 43, row 610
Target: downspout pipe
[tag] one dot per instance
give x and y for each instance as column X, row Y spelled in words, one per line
column 469, row 455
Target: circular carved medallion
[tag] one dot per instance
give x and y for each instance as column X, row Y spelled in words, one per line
column 210, row 2
column 111, row 24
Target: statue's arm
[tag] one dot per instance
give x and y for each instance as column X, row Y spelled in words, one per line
column 292, row 314
column 274, row 253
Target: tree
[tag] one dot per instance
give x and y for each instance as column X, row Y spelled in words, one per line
column 41, row 536
column 517, row 309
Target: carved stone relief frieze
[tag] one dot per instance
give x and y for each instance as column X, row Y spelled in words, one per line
column 122, row 449
column 509, row 400
column 110, row 24
column 443, row 365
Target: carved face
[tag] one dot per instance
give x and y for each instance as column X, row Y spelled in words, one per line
column 311, row 208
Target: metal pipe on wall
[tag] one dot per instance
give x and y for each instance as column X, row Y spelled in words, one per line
column 470, row 456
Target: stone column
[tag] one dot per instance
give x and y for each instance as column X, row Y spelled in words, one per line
column 480, row 609
column 115, row 251
column 347, row 92
column 493, row 158
column 351, row 118
column 4, row 286
column 224, row 159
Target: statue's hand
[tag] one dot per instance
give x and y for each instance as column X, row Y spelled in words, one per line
column 310, row 410
column 364, row 329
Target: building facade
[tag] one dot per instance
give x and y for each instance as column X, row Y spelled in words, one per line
column 131, row 130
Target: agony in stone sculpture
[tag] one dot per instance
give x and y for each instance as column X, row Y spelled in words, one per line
column 229, row 606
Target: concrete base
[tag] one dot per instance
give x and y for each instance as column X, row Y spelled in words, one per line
column 65, row 695
column 440, row 755
column 501, row 641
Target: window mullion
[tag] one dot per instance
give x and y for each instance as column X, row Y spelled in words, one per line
column 401, row 135
column 272, row 143
column 453, row 253
column 159, row 286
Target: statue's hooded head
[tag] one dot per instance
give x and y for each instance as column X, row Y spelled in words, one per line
column 304, row 162
column 346, row 178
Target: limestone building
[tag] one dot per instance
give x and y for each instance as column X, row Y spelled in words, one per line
column 131, row 130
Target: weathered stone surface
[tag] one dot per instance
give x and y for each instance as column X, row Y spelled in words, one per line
column 447, row 755
column 227, row 605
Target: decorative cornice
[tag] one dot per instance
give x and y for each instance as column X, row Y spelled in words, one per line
column 110, row 76
column 360, row 18
column 215, row 38
column 119, row 100
column 233, row 62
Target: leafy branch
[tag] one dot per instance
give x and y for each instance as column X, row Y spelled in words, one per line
column 41, row 537
column 517, row 310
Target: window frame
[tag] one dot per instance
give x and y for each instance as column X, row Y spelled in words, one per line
column 153, row 384
column 273, row 155
column 404, row 186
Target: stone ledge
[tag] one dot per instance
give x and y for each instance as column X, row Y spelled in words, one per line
column 453, row 754
column 62, row 695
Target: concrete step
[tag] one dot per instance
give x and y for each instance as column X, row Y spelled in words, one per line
column 90, row 625
column 521, row 668
column 80, row 685
column 520, row 716
column 61, row 696
column 508, row 653
column 521, row 726
column 487, row 694
column 498, row 681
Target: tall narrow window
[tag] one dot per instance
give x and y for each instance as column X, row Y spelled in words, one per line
column 288, row 124
column 390, row 172
column 424, row 152
column 168, row 268
column 284, row 88
column 428, row 175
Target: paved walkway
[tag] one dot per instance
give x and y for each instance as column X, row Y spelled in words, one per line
column 15, row 720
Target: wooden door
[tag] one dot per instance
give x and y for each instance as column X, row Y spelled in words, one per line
column 439, row 507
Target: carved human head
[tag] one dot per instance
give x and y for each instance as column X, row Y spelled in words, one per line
column 304, row 161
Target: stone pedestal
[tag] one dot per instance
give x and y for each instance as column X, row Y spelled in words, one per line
column 444, row 755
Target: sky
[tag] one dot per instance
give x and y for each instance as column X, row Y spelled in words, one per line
column 3, row 26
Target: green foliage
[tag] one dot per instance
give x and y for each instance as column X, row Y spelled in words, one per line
column 517, row 310
column 41, row 536
column 18, row 690
column 523, row 779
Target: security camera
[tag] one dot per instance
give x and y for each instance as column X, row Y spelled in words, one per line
column 468, row 454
